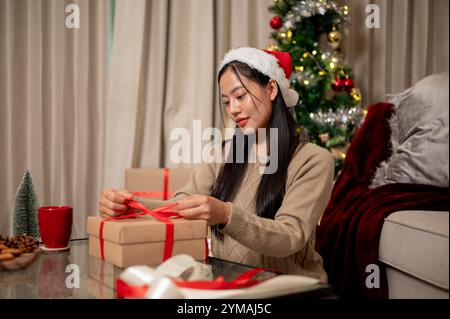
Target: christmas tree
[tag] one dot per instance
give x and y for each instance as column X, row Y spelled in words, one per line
column 329, row 110
column 25, row 216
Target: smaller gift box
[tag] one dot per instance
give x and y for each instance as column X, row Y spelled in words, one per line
column 158, row 183
column 142, row 240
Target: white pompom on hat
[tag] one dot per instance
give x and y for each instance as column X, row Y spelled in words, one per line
column 276, row 65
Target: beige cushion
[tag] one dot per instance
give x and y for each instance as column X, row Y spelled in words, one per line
column 417, row 243
column 419, row 136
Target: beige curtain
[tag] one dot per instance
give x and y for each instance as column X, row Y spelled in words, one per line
column 411, row 43
column 51, row 104
column 165, row 77
column 78, row 127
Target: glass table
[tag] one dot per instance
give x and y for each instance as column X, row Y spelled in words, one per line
column 53, row 275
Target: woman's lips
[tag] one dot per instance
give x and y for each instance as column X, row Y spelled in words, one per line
column 242, row 122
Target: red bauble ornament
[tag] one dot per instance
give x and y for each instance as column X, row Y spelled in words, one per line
column 338, row 84
column 349, row 84
column 276, row 22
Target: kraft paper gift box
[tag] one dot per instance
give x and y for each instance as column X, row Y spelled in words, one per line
column 152, row 179
column 141, row 240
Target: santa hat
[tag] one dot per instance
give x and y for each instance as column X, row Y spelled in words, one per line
column 276, row 65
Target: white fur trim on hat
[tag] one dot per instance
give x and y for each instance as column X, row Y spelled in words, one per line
column 265, row 63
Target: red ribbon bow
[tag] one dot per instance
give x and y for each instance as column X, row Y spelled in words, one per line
column 161, row 214
column 244, row 280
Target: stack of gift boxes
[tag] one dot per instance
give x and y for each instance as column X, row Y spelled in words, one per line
column 141, row 240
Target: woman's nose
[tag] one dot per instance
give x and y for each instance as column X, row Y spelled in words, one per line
column 235, row 108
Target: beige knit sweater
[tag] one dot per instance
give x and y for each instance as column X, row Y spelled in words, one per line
column 286, row 243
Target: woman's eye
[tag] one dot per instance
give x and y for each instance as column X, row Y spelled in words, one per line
column 240, row 97
column 226, row 103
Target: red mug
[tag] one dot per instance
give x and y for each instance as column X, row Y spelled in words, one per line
column 55, row 225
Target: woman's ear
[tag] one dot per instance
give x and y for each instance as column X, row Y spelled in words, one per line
column 273, row 89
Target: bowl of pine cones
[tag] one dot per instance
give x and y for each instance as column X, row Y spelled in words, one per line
column 18, row 252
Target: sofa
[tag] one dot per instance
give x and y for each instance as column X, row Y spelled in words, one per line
column 414, row 244
column 414, row 247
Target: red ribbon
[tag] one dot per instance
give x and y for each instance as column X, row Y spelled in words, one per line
column 164, row 194
column 161, row 214
column 128, row 291
column 166, row 183
column 152, row 194
column 242, row 281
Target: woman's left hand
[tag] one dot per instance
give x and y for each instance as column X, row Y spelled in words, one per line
column 211, row 209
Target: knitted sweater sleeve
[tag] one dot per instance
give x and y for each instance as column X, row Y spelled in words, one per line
column 308, row 190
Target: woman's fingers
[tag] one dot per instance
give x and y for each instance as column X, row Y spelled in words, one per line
column 112, row 202
column 110, row 194
column 107, row 213
column 191, row 212
column 104, row 216
column 125, row 194
column 117, row 196
column 191, row 201
column 112, row 206
column 206, row 217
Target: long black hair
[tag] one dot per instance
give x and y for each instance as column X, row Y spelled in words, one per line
column 271, row 188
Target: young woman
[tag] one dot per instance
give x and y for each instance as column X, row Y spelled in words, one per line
column 263, row 220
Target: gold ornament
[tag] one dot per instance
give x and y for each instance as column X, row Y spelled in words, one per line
column 272, row 47
column 346, row 9
column 334, row 38
column 356, row 95
column 340, row 152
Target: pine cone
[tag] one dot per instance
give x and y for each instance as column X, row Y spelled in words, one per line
column 25, row 243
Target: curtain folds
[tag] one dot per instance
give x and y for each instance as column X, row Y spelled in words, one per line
column 411, row 43
column 77, row 111
column 165, row 76
column 52, row 95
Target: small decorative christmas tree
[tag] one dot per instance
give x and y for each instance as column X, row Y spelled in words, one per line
column 25, row 216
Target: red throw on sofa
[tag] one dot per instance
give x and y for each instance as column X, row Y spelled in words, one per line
column 349, row 232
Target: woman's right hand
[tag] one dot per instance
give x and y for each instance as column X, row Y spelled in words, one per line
column 112, row 202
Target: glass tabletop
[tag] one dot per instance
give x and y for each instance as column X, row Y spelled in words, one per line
column 76, row 274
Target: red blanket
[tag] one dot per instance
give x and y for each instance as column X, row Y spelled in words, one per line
column 349, row 232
